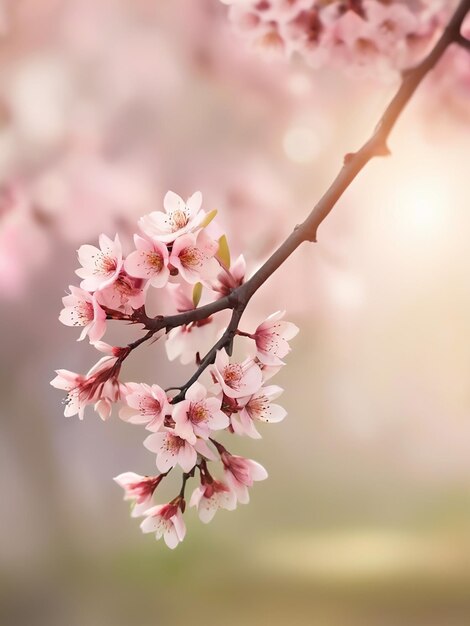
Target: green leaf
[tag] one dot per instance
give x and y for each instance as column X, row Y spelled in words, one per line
column 223, row 253
column 197, row 292
column 208, row 219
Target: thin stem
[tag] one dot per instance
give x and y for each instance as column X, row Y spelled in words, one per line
column 133, row 345
column 186, row 475
column 242, row 333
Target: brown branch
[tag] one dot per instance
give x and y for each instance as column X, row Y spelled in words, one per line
column 464, row 42
column 353, row 164
column 224, row 342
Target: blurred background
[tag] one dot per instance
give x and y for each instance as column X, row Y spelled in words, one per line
column 365, row 519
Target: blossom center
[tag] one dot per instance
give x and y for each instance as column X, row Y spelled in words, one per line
column 105, row 264
column 178, row 219
column 155, row 260
column 143, row 489
column 174, row 443
column 388, row 26
column 257, row 406
column 124, row 286
column 149, row 406
column 365, row 46
column 198, row 412
column 191, row 257
column 83, row 313
column 233, row 375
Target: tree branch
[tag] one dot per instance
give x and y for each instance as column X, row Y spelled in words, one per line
column 353, row 164
column 464, row 42
column 224, row 342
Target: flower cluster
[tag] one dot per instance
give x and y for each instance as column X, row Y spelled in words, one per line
column 451, row 78
column 360, row 35
column 178, row 250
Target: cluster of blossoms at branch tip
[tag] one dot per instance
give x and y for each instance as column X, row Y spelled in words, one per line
column 362, row 36
column 182, row 254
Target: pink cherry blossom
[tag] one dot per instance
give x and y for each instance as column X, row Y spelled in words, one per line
column 100, row 266
column 73, row 383
column 103, row 384
column 172, row 450
column 303, row 34
column 166, row 520
column 184, row 342
column 125, row 294
column 268, row 371
column 179, row 218
column 237, row 379
column 249, row 22
column 258, row 407
column 100, row 387
column 230, row 279
column 354, row 34
column 191, row 256
column 138, row 488
column 210, row 497
column 82, row 309
column 180, row 296
column 392, row 23
column 145, row 405
column 149, row 261
column 240, row 473
column 198, row 415
column 272, row 337
column 353, row 41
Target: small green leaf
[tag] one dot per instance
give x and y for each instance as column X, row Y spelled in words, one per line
column 197, row 292
column 208, row 219
column 223, row 253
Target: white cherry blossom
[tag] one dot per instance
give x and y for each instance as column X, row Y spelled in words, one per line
column 100, row 266
column 192, row 257
column 258, row 408
column 178, row 219
column 82, row 309
column 236, row 379
column 138, row 489
column 240, row 473
column 149, row 261
column 146, row 404
column 272, row 339
column 165, row 520
column 172, row 450
column 210, row 497
column 99, row 387
column 198, row 415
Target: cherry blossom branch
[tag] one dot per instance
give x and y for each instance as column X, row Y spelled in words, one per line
column 176, row 243
column 354, row 163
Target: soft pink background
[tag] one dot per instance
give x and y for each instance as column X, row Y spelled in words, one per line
column 365, row 517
